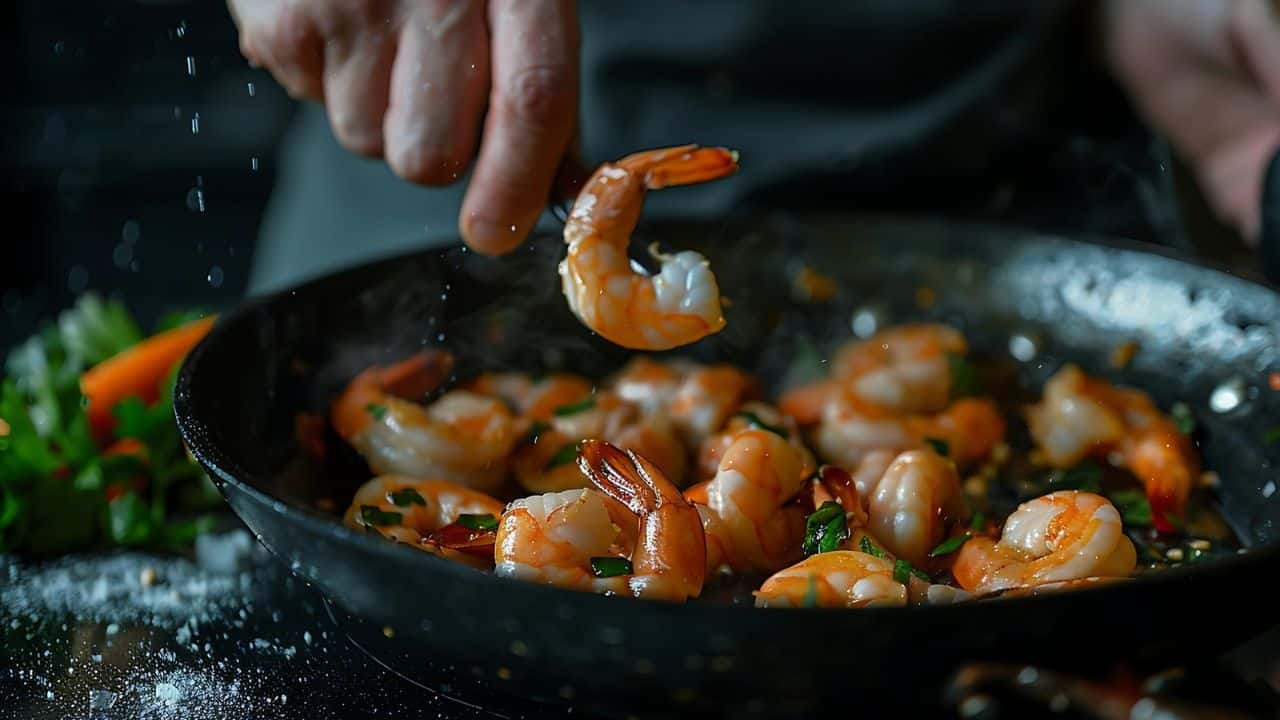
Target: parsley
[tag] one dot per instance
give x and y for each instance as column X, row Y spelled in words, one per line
column 755, row 422
column 376, row 411
column 964, row 377
column 824, row 529
column 939, row 446
column 373, row 515
column 574, row 408
column 1085, row 477
column 978, row 521
column 406, row 497
column 902, row 572
column 535, row 430
column 1134, row 507
column 479, row 523
column 565, row 455
column 949, row 545
column 868, row 546
column 606, row 567
column 1182, row 418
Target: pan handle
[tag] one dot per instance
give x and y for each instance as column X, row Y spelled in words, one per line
column 1269, row 238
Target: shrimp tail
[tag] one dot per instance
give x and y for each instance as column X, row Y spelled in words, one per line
column 409, row 379
column 683, row 165
column 620, row 474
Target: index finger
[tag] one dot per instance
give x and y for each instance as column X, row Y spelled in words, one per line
column 532, row 107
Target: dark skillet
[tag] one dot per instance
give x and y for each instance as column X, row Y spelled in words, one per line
column 241, row 388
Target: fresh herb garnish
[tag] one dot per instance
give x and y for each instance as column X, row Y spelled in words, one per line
column 1085, row 477
column 950, row 545
column 755, row 422
column 606, row 567
column 536, row 429
column 406, row 497
column 978, row 521
column 868, row 546
column 373, row 515
column 1183, row 419
column 824, row 529
column 1134, row 507
column 939, row 446
column 902, row 572
column 1272, row 436
column 964, row 377
column 376, row 411
column 574, row 408
column 565, row 455
column 478, row 522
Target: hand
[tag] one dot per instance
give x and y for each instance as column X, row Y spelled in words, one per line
column 1207, row 74
column 407, row 80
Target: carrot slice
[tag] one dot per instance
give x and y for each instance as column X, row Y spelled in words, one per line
column 136, row 372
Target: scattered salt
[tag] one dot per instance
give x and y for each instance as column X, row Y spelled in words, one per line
column 168, row 693
column 101, row 699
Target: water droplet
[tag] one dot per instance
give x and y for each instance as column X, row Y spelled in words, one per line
column 59, row 47
column 191, row 66
column 440, row 337
column 251, row 90
column 195, row 124
column 122, row 255
column 215, row 276
column 78, row 279
column 136, row 265
column 253, row 163
column 195, row 199
column 1227, row 396
column 177, row 112
column 866, row 321
column 1023, row 347
column 182, row 28
column 513, row 228
column 131, row 231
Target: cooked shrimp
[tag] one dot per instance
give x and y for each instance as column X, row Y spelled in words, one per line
column 548, row 462
column 649, row 383
column 535, row 398
column 461, row 437
column 914, row 502
column 1081, row 416
column 410, row 511
column 748, row 415
column 1066, row 535
column 903, row 368
column 679, row 305
column 849, row 579
column 631, row 511
column 749, row 522
column 706, row 399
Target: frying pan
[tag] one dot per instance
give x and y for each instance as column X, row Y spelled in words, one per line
column 1203, row 334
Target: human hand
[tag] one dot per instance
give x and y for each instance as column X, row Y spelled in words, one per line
column 1207, row 74
column 408, row 80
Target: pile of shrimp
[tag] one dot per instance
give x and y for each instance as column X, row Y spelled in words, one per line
column 672, row 477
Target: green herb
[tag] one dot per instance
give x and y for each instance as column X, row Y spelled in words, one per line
column 949, row 545
column 810, row 599
column 1134, row 507
column 902, row 572
column 178, row 318
column 373, row 515
column 406, row 497
column 755, row 422
column 1182, row 418
column 978, row 521
column 1177, row 521
column 606, row 567
column 479, row 523
column 1272, row 436
column 1085, row 477
column 565, row 455
column 376, row 411
column 824, row 529
column 574, row 408
column 1192, row 554
column 939, row 446
column 964, row 377
column 536, row 429
column 868, row 546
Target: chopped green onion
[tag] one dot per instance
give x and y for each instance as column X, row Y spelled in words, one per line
column 1193, row 554
column 565, row 455
column 406, row 497
column 607, row 567
column 1182, row 418
column 902, row 572
column 478, row 522
column 1134, row 507
column 536, row 429
column 978, row 522
column 811, row 593
column 376, row 411
column 574, row 408
column 1085, row 477
column 372, row 515
column 824, row 529
column 755, row 422
column 949, row 545
column 1176, row 521
column 964, row 378
column 939, row 446
column 1272, row 436
column 869, row 547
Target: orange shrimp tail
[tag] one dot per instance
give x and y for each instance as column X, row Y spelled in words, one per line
column 410, row 379
column 683, row 165
column 618, row 473
column 1165, row 463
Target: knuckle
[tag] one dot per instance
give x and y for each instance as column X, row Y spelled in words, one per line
column 293, row 35
column 355, row 135
column 541, row 97
column 425, row 165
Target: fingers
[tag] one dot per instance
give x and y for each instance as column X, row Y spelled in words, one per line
column 1256, row 29
column 532, row 106
column 438, row 90
column 360, row 45
column 281, row 36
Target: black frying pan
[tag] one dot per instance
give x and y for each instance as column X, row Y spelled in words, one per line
column 240, row 389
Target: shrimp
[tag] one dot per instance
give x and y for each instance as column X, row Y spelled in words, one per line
column 904, row 368
column 699, row 399
column 679, row 305
column 1081, row 416
column 535, row 398
column 412, row 511
column 570, row 538
column 849, row 579
column 461, row 437
column 748, row 415
column 1066, row 535
column 749, row 522
column 650, row 384
column 913, row 503
column 547, row 462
